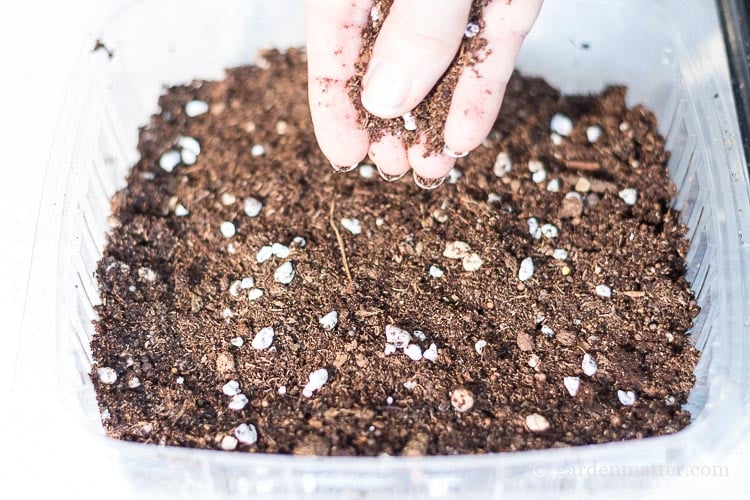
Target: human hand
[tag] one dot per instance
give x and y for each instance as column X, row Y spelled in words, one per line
column 416, row 44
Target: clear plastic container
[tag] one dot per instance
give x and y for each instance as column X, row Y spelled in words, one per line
column 634, row 42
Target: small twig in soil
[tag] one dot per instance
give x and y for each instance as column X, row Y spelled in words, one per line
column 586, row 166
column 341, row 242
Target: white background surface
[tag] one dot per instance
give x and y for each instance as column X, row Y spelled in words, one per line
column 43, row 454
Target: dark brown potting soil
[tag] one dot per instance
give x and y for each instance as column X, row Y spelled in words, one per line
column 176, row 326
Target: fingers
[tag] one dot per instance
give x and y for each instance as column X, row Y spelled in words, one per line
column 479, row 92
column 430, row 171
column 333, row 42
column 389, row 157
column 416, row 44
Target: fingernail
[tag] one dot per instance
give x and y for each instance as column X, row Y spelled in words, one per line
column 426, row 183
column 385, row 89
column 453, row 154
column 342, row 169
column 390, row 177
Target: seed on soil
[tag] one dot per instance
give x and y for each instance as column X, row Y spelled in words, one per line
column 228, row 443
column 315, row 381
column 227, row 229
column 572, row 384
column 593, row 133
column 548, row 331
column 588, row 365
column 627, row 398
column 231, row 388
column 583, row 185
column 603, row 291
column 480, row 345
column 169, row 160
column 525, row 342
column 264, row 253
column 536, row 423
column 284, row 274
column 559, row 254
column 549, row 231
column 280, row 251
column 258, row 150
column 503, row 164
column 254, row 294
column 629, row 196
column 456, row 250
column 237, row 341
column 410, row 123
column 180, row 210
column 526, row 270
column 352, row 225
column 556, row 139
column 553, row 186
column 398, row 337
column 471, row 30
column 436, row 272
column 367, row 171
column 329, row 321
column 246, row 434
column 238, row 402
column 539, row 176
column 252, row 206
column 107, row 375
column 462, row 399
column 263, row 339
column 561, row 124
column 195, row 108
column 565, row 270
column 413, row 351
column 472, row 262
column 534, row 230
column 228, row 199
column 431, row 353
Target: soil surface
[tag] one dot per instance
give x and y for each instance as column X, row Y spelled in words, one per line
column 609, row 309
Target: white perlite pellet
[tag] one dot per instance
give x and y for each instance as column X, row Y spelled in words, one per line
column 559, row 254
column 237, row 341
column 247, row 283
column 227, row 314
column 258, row 150
column 188, row 157
column 230, row 249
column 280, row 251
column 627, row 398
column 238, row 402
column 561, row 124
column 556, row 139
column 169, row 160
column 593, row 133
column 299, row 242
column 367, row 171
column 548, row 331
column 410, row 123
column 375, row 14
column 263, row 339
column 180, row 380
column 572, row 384
column 471, row 30
column 147, row 274
column 195, row 108
column 264, row 253
column 629, row 196
column 419, row 335
column 526, row 270
column 389, row 349
column 227, row 229
column 255, row 294
column 352, row 225
column 588, row 365
column 252, row 206
column 398, row 337
column 329, row 321
column 228, row 443
column 534, row 230
column 431, row 353
column 553, row 186
column 246, row 434
column 228, row 199
column 389, row 400
column 234, row 288
column 537, row 423
column 539, row 176
column 190, row 144
column 472, row 262
column 550, row 231
column 493, row 198
column 535, row 166
column 281, row 390
column 456, row 250
column 284, row 274
column 107, row 375
column 315, row 381
column 231, row 388
column 503, row 164
column 436, row 272
column 180, row 210
column 413, row 351
column 480, row 345
column 454, row 175
column 603, row 291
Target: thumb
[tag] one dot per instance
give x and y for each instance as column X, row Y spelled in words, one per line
column 416, row 44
